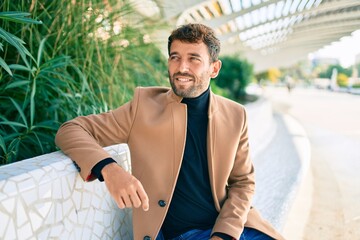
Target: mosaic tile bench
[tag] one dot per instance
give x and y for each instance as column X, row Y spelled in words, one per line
column 45, row 198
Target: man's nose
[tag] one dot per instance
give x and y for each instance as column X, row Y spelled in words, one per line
column 184, row 66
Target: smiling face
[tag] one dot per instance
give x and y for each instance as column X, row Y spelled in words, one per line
column 190, row 68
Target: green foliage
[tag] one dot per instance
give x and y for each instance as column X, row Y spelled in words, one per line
column 234, row 76
column 218, row 90
column 11, row 39
column 86, row 57
column 272, row 75
column 328, row 72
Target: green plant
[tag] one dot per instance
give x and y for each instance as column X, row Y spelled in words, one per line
column 10, row 136
column 13, row 40
column 271, row 74
column 33, row 103
column 89, row 57
column 234, row 76
column 329, row 71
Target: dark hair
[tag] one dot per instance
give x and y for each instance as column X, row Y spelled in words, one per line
column 195, row 33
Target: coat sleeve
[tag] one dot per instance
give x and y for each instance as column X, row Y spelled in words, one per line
column 83, row 138
column 240, row 189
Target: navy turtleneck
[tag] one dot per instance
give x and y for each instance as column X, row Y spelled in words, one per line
column 192, row 205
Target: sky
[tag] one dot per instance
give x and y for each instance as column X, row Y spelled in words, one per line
column 344, row 50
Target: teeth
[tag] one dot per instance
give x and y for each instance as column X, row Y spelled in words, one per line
column 183, row 79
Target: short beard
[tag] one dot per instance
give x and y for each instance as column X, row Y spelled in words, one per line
column 186, row 93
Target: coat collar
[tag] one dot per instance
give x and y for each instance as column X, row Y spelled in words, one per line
column 213, row 106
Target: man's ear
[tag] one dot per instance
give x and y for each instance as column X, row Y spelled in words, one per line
column 216, row 68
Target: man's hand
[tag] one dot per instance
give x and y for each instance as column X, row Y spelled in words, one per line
column 126, row 190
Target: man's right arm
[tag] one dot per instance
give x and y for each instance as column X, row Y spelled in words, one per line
column 83, row 138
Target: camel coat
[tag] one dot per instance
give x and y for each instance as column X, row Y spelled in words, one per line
column 153, row 125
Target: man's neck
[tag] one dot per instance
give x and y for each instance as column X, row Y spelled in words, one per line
column 198, row 104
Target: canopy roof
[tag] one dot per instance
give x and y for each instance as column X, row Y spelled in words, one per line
column 269, row 33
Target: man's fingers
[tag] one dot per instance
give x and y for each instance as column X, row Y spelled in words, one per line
column 127, row 200
column 126, row 190
column 120, row 203
column 143, row 198
column 135, row 200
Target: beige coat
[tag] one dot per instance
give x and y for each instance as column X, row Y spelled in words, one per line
column 153, row 124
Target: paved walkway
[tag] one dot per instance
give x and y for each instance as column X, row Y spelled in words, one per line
column 332, row 188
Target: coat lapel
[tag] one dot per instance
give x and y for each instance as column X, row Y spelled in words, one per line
column 179, row 124
column 211, row 143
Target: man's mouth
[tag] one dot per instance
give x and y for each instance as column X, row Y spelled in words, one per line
column 181, row 79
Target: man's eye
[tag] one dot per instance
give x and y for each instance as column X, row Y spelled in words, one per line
column 174, row 57
column 194, row 59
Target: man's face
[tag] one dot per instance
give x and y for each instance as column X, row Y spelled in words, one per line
column 190, row 69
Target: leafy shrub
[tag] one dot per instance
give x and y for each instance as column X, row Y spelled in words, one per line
column 86, row 57
column 329, row 71
column 234, row 76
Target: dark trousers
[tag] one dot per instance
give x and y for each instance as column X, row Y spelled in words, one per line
column 196, row 234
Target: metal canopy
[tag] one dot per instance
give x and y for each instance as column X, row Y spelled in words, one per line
column 269, row 33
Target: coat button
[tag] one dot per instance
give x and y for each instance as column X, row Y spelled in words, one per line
column 162, row 203
column 147, row 238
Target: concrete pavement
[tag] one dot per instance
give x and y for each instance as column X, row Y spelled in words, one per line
column 332, row 189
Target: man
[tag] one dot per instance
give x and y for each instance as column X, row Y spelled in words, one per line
column 192, row 177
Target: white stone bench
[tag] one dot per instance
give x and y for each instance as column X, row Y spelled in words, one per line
column 45, row 198
column 281, row 154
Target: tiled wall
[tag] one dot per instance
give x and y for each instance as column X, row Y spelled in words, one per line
column 45, row 198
